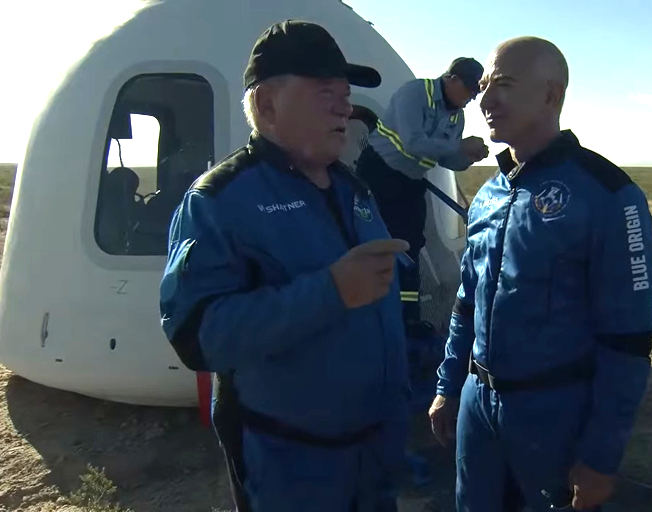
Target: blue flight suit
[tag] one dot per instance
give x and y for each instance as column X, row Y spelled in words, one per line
column 318, row 391
column 555, row 309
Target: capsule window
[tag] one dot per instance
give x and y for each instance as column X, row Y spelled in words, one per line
column 159, row 140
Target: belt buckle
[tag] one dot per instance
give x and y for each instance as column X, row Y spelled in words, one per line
column 475, row 362
column 492, row 381
column 490, row 378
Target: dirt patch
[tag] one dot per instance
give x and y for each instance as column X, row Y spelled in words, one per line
column 159, row 458
column 23, row 473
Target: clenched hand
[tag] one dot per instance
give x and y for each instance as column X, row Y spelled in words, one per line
column 443, row 412
column 589, row 487
column 475, row 148
column 365, row 273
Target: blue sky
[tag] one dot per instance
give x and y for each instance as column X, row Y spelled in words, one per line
column 608, row 44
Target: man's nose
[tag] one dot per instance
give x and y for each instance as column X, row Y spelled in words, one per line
column 343, row 107
column 487, row 100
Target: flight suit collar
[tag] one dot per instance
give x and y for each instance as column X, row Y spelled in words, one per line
column 557, row 151
column 270, row 152
column 280, row 160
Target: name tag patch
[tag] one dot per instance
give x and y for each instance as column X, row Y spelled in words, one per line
column 281, row 207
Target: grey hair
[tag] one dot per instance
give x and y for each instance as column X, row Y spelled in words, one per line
column 249, row 106
column 249, row 99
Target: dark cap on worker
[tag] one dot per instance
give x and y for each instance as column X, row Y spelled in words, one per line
column 469, row 70
column 295, row 47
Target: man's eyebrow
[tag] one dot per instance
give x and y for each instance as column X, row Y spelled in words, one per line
column 484, row 81
column 504, row 78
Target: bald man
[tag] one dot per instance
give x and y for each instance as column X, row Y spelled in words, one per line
column 548, row 353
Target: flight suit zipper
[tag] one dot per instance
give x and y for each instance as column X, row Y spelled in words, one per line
column 351, row 240
column 513, row 174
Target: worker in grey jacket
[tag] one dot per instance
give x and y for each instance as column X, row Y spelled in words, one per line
column 421, row 128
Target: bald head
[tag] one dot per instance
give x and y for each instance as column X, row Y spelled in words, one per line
column 538, row 55
column 524, row 87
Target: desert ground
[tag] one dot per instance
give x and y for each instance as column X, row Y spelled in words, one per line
column 60, row 451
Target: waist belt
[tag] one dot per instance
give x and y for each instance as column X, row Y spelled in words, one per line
column 579, row 370
column 230, row 415
column 268, row 425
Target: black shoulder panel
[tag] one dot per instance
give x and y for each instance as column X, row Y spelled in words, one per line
column 222, row 173
column 608, row 174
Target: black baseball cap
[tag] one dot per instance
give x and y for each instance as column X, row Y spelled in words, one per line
column 469, row 70
column 295, row 47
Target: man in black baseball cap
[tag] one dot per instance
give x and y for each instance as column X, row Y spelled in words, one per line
column 300, row 62
column 296, row 47
column 290, row 296
column 469, row 71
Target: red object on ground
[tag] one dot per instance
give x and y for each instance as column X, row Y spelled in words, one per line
column 204, row 394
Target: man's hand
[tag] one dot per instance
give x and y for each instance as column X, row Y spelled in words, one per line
column 481, row 154
column 589, row 487
column 474, row 148
column 365, row 273
column 442, row 418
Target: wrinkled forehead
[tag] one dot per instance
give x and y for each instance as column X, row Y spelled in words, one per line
column 508, row 64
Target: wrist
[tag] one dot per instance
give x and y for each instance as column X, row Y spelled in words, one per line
column 448, row 396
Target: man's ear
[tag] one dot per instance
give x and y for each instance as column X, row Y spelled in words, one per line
column 555, row 94
column 264, row 101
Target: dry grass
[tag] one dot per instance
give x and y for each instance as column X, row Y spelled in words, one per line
column 96, row 493
column 472, row 179
column 476, row 176
column 7, row 172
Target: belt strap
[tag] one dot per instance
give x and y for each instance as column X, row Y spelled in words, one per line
column 268, row 425
column 232, row 414
column 581, row 369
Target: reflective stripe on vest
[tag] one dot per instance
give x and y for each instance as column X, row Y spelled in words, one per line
column 430, row 91
column 398, row 144
column 394, row 138
column 409, row 296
